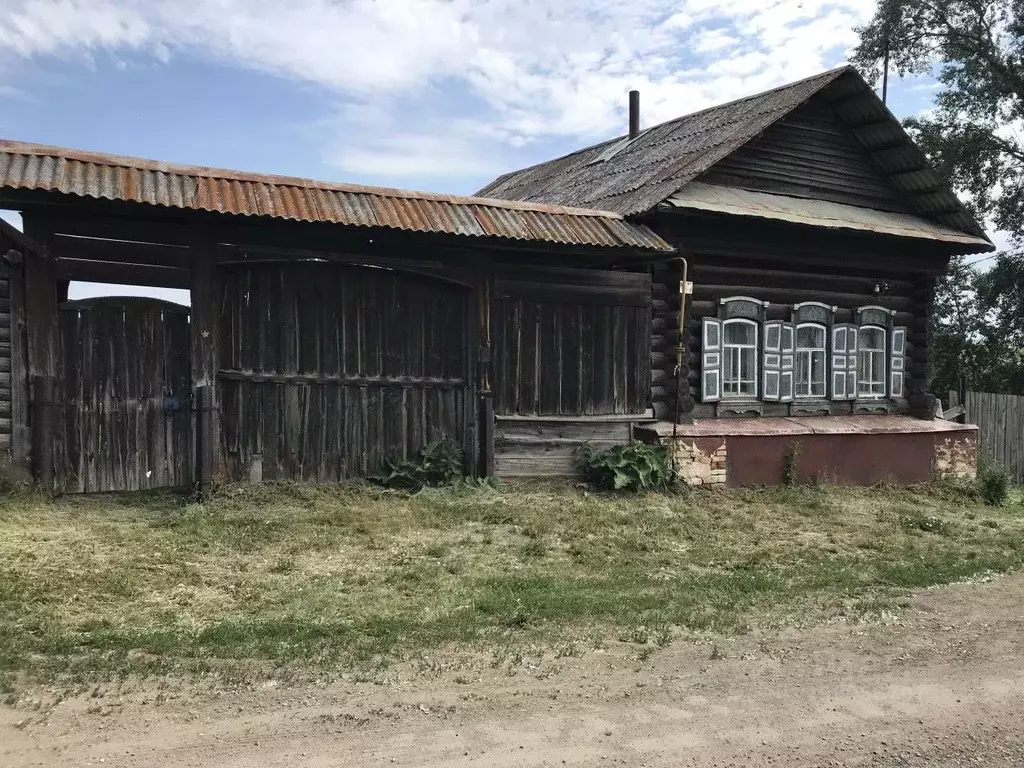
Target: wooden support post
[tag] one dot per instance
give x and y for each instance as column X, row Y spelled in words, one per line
column 44, row 392
column 204, row 334
column 484, row 377
column 42, row 340
column 206, row 419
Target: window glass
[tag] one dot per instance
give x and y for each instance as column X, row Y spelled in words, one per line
column 740, row 333
column 810, row 361
column 871, row 362
column 739, row 359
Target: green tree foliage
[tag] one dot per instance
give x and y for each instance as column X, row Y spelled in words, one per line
column 974, row 48
column 978, row 335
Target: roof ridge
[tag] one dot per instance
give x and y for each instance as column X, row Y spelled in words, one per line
column 180, row 169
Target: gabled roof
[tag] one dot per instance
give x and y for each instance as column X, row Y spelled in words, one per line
column 74, row 173
column 642, row 173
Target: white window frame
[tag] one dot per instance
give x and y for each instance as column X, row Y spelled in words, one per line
column 808, row 352
column 866, row 375
column 739, row 349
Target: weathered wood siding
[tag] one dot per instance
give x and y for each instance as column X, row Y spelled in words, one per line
column 328, row 369
column 784, row 265
column 8, row 327
column 570, row 364
column 546, row 447
column 125, row 412
column 571, row 342
column 809, row 154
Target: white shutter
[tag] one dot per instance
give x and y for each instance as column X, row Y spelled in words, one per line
column 844, row 361
column 711, row 361
column 852, row 335
column 771, row 363
column 897, row 364
column 788, row 354
column 839, row 337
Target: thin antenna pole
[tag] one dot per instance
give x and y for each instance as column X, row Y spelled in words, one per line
column 885, row 67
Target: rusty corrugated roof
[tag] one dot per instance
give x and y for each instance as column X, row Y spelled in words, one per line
column 646, row 171
column 128, row 179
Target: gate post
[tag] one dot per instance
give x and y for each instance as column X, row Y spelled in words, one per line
column 44, row 391
column 205, row 439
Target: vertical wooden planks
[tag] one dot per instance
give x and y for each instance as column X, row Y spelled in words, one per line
column 367, row 366
column 18, row 378
column 572, row 342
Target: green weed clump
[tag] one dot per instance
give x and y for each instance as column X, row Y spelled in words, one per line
column 633, row 467
column 993, row 484
column 439, row 462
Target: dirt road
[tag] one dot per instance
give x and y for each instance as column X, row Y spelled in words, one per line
column 942, row 684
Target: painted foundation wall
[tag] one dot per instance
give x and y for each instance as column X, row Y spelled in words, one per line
column 850, row 459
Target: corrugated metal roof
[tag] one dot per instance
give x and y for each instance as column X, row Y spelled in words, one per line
column 820, row 213
column 664, row 158
column 127, row 179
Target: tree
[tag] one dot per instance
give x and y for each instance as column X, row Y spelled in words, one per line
column 975, row 49
column 978, row 331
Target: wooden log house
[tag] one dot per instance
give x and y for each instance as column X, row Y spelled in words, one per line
column 752, row 284
column 812, row 231
column 331, row 326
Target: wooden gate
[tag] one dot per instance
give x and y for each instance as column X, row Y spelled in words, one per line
column 126, row 395
column 328, row 369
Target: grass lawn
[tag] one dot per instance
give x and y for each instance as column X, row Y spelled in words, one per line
column 328, row 578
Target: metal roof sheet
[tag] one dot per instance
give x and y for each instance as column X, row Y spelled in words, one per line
column 819, row 213
column 662, row 159
column 112, row 177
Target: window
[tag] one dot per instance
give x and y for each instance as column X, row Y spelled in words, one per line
column 871, row 362
column 810, row 360
column 739, row 364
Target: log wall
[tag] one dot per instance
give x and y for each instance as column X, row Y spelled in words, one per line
column 784, row 265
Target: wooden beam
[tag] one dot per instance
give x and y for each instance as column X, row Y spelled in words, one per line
column 121, row 251
column 123, row 274
column 133, row 229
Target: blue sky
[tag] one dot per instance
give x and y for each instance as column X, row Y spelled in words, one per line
column 426, row 94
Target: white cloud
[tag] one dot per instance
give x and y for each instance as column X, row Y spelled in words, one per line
column 513, row 72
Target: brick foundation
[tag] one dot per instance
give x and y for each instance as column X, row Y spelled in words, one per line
column 698, row 463
column 845, row 450
column 956, row 457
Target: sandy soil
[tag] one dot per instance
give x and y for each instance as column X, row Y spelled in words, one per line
column 941, row 685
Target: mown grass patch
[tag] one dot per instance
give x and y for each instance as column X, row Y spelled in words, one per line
column 330, row 576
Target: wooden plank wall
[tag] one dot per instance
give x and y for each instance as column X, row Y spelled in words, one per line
column 571, row 352
column 120, row 358
column 1000, row 420
column 785, row 265
column 327, row 369
column 571, row 342
column 6, row 355
column 810, row 154
column 546, row 447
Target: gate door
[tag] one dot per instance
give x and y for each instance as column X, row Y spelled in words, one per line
column 328, row 369
column 127, row 409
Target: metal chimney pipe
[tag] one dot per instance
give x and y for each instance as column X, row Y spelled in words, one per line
column 634, row 114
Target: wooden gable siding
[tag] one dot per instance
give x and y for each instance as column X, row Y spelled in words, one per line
column 810, row 154
column 783, row 265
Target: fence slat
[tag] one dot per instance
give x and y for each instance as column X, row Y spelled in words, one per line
column 1000, row 420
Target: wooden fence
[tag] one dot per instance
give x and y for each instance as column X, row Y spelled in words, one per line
column 1000, row 420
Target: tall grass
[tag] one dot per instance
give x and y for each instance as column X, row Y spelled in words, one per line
column 325, row 577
